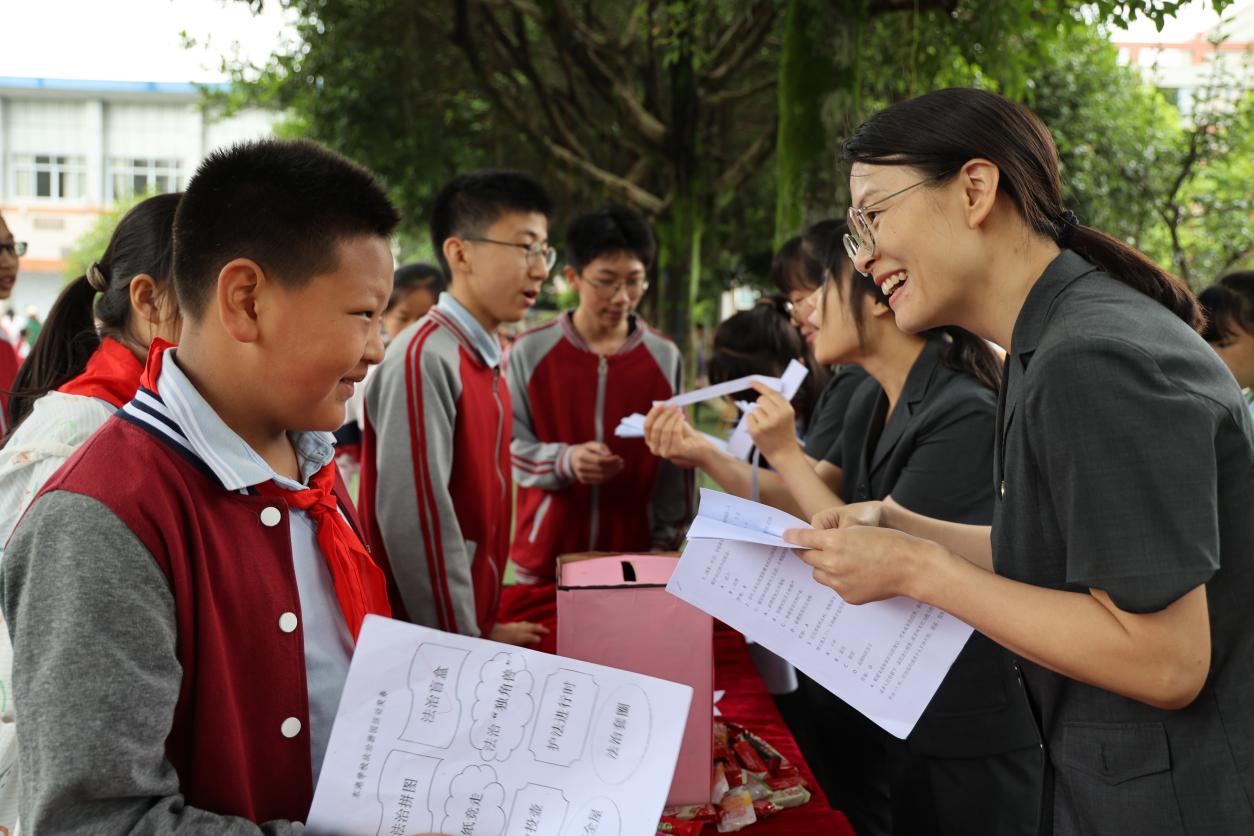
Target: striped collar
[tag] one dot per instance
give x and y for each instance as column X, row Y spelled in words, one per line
column 183, row 418
column 484, row 343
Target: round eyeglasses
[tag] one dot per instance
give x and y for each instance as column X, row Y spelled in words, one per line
column 538, row 253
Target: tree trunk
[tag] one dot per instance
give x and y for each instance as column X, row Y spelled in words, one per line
column 819, row 105
column 805, row 80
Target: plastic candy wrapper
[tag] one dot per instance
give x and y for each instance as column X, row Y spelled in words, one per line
column 752, row 781
column 791, row 797
column 749, row 757
column 692, row 812
column 720, row 783
column 678, row 827
column 757, row 787
column 736, row 811
column 735, row 775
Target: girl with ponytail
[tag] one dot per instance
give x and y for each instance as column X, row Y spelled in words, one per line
column 85, row 364
column 919, row 429
column 1120, row 563
column 90, row 353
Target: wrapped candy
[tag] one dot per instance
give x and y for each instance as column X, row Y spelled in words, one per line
column 736, row 811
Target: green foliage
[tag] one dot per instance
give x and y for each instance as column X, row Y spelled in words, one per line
column 92, row 243
column 672, row 107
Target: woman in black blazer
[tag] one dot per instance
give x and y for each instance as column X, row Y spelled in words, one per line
column 921, row 430
column 1119, row 566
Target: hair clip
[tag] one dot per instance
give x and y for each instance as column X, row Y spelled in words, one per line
column 96, row 278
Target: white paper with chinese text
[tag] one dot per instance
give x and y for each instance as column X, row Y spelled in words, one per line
column 886, row 659
column 442, row 733
column 721, row 516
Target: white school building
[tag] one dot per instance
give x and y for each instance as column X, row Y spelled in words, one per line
column 69, row 150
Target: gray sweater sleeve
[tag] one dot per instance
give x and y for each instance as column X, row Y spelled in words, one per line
column 537, row 464
column 92, row 620
column 429, row 557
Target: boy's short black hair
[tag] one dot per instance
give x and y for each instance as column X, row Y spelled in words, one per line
column 285, row 204
column 611, row 230
column 416, row 276
column 470, row 203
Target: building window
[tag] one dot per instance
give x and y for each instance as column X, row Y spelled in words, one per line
column 130, row 176
column 50, row 175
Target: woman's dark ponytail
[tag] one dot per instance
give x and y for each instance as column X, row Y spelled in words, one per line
column 142, row 242
column 72, row 337
column 940, row 132
column 1135, row 270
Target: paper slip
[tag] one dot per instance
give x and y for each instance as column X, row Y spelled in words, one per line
column 886, row 659
column 721, row 516
column 740, row 442
column 633, row 427
column 720, row 390
column 443, row 733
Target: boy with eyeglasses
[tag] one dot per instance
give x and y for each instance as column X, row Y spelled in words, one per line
column 435, row 480
column 580, row 488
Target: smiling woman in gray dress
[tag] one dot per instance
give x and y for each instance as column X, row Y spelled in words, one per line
column 1119, row 567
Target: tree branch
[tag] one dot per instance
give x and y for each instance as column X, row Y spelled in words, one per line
column 641, row 197
column 715, row 100
column 585, row 46
column 764, row 21
column 731, row 179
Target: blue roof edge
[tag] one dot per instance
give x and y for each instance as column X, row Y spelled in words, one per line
column 93, row 86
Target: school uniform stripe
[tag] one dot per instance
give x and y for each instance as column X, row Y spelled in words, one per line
column 428, row 512
column 449, row 323
column 148, row 403
column 183, row 412
column 531, row 466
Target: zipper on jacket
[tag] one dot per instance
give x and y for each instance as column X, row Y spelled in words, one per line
column 603, row 369
column 496, row 463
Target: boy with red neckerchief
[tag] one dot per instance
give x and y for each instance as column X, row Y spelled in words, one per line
column 200, row 549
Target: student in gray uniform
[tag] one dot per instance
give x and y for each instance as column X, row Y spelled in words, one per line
column 1119, row 567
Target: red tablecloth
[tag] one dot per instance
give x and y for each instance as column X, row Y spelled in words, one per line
column 746, row 703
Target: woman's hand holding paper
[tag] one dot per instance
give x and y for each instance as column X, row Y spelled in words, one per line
column 773, row 423
column 864, row 563
column 671, row 437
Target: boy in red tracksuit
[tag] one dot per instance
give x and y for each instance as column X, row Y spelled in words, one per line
column 435, row 480
column 580, row 488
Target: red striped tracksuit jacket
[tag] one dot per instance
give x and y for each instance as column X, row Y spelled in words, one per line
column 435, row 493
column 564, row 394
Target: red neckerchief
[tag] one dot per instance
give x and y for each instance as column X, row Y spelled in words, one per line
column 112, row 375
column 360, row 585
column 359, row 582
column 152, row 369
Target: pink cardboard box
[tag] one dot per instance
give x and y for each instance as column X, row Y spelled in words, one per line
column 615, row 611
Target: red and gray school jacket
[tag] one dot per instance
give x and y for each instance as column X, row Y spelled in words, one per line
column 190, row 622
column 564, row 395
column 435, row 494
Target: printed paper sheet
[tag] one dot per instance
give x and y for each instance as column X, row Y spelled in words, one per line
column 886, row 659
column 444, row 733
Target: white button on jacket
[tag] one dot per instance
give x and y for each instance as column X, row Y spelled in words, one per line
column 290, row 727
column 271, row 516
column 287, row 622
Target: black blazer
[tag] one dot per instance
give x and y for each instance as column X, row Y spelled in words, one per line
column 935, row 456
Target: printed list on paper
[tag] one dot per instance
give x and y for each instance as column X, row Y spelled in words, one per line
column 442, row 733
column 886, row 659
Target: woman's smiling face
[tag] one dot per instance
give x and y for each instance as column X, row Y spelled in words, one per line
column 921, row 242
